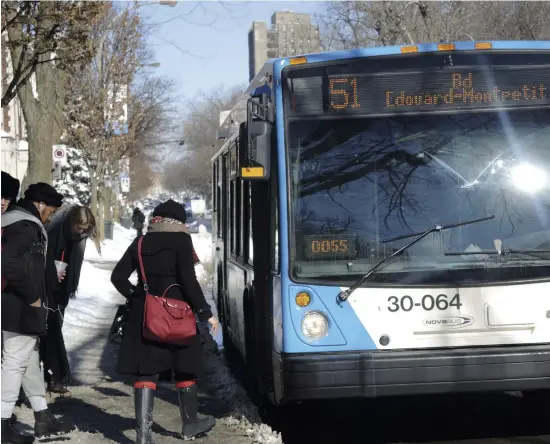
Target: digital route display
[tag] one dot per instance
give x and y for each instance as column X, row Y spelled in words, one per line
column 406, row 91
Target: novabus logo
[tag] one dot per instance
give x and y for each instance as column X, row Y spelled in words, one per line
column 449, row 322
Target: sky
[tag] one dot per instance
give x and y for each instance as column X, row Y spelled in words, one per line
column 203, row 45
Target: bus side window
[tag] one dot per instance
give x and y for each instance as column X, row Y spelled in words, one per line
column 275, row 210
column 219, row 196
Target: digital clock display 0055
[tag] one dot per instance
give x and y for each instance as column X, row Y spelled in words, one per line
column 330, row 247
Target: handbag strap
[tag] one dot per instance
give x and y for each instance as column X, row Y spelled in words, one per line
column 142, row 269
column 168, row 289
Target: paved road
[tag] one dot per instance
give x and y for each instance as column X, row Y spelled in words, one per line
column 451, row 419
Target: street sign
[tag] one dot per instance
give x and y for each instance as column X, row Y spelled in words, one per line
column 56, row 171
column 124, row 183
column 59, row 154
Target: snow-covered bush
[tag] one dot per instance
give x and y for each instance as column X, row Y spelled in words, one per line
column 75, row 180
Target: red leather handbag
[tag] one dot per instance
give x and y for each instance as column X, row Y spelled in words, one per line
column 165, row 319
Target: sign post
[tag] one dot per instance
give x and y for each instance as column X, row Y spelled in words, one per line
column 59, row 157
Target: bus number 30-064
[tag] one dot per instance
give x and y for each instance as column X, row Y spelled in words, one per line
column 428, row 303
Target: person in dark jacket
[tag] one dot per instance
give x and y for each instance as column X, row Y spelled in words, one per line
column 10, row 190
column 68, row 231
column 24, row 310
column 138, row 218
column 168, row 259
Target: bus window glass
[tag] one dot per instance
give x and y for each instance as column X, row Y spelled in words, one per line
column 231, row 215
column 250, row 242
column 356, row 183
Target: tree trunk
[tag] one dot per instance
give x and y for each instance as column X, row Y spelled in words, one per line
column 116, row 210
column 93, row 197
column 100, row 208
column 39, row 169
column 42, row 100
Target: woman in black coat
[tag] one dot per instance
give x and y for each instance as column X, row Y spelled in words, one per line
column 167, row 253
column 68, row 232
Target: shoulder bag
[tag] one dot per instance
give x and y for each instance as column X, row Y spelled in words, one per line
column 165, row 320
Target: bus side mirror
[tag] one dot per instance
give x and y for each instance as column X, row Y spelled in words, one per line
column 257, row 165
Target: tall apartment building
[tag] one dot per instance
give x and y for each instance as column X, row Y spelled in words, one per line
column 290, row 34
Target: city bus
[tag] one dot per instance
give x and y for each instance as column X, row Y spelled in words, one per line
column 381, row 222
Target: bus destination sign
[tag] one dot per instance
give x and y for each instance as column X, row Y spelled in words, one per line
column 433, row 91
column 438, row 91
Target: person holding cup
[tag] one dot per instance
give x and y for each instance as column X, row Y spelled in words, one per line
column 68, row 232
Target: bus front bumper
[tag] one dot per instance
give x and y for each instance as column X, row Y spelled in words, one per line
column 393, row 373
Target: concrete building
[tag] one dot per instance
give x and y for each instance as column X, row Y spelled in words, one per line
column 290, row 34
column 15, row 154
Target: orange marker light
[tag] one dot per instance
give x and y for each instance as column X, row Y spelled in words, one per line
column 298, row 61
column 409, row 49
column 303, row 299
column 446, row 47
column 483, row 45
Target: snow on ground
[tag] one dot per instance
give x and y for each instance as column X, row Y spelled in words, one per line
column 111, row 250
column 102, row 402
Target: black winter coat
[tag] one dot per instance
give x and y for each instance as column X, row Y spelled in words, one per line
column 168, row 259
column 23, row 257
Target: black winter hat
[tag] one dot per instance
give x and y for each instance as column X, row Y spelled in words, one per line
column 10, row 186
column 171, row 210
column 43, row 192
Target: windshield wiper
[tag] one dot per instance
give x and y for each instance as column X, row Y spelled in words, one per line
column 504, row 252
column 343, row 295
column 444, row 227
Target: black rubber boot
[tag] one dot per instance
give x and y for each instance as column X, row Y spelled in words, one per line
column 10, row 435
column 194, row 424
column 144, row 399
column 45, row 424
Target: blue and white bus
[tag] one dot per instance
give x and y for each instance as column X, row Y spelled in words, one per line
column 381, row 221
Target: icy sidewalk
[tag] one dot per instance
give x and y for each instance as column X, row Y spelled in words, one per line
column 102, row 404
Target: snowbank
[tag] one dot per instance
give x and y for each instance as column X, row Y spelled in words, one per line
column 87, row 321
column 111, row 250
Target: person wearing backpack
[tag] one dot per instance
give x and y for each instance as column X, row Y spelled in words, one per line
column 24, row 315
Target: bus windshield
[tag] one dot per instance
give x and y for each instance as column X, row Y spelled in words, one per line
column 357, row 183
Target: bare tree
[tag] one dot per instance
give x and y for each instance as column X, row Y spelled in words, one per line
column 354, row 24
column 46, row 32
column 201, row 121
column 46, row 41
column 115, row 108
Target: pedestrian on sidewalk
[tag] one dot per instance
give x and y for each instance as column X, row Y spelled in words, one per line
column 167, row 254
column 24, row 310
column 10, row 190
column 68, row 232
column 138, row 218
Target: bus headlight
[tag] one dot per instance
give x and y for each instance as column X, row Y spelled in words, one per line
column 314, row 325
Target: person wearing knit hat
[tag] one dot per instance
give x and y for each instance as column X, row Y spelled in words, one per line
column 24, row 311
column 10, row 190
column 45, row 198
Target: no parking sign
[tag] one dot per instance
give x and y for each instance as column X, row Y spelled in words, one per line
column 59, row 154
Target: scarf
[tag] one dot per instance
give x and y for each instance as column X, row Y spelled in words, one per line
column 159, row 224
